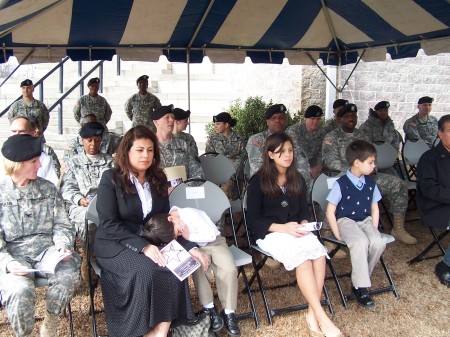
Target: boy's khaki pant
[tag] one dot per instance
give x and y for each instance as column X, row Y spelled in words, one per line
column 366, row 246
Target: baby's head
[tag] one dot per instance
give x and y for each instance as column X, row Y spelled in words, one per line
column 162, row 228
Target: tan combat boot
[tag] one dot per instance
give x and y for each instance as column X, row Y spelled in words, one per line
column 399, row 232
column 49, row 327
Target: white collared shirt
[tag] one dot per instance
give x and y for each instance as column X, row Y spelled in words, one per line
column 144, row 194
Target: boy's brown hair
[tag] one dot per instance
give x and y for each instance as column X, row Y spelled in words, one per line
column 158, row 229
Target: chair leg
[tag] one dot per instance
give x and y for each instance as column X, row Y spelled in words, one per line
column 253, row 314
column 338, row 284
column 388, row 274
column 256, row 268
column 69, row 309
column 436, row 241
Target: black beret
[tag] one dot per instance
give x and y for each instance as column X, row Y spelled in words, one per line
column 313, row 111
column 161, row 111
column 180, row 114
column 224, row 117
column 19, row 148
column 382, row 105
column 273, row 109
column 91, row 129
column 425, row 99
column 350, row 107
column 26, row 83
column 142, row 78
column 93, row 80
column 339, row 102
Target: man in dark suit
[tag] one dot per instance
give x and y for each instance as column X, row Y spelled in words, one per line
column 433, row 190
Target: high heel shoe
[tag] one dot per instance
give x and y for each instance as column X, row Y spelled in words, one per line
column 314, row 333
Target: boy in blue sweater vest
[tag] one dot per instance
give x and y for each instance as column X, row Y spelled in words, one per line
column 353, row 215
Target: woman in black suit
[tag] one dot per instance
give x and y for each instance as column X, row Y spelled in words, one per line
column 140, row 295
column 276, row 211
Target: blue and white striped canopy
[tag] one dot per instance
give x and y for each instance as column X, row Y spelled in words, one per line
column 267, row 31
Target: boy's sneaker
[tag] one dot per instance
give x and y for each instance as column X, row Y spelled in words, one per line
column 362, row 296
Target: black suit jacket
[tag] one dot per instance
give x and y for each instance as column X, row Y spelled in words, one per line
column 121, row 218
column 433, row 187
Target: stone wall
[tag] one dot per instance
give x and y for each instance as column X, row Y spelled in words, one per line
column 401, row 82
column 313, row 87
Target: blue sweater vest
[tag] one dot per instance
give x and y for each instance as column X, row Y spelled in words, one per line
column 355, row 204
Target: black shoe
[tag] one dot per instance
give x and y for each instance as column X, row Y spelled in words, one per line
column 443, row 273
column 362, row 296
column 231, row 323
column 216, row 319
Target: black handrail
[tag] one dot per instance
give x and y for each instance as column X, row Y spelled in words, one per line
column 37, row 83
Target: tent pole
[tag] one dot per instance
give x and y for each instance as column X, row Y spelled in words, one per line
column 188, row 63
column 323, row 72
column 351, row 73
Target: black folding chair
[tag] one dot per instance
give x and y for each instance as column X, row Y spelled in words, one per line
column 255, row 250
column 319, row 193
column 437, row 241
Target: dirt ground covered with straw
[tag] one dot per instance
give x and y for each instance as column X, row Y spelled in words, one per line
column 422, row 310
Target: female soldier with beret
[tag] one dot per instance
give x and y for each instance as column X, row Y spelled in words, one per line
column 33, row 226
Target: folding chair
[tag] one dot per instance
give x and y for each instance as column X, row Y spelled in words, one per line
column 92, row 215
column 219, row 170
column 254, row 250
column 319, row 193
column 209, row 198
column 411, row 153
column 437, row 241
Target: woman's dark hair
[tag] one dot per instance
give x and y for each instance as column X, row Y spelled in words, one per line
column 268, row 173
column 154, row 174
column 158, row 229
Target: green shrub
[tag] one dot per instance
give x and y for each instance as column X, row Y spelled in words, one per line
column 249, row 116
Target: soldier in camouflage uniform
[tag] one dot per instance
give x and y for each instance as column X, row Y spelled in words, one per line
column 276, row 120
column 34, row 226
column 140, row 106
column 174, row 151
column 309, row 135
column 231, row 144
column 181, row 123
column 50, row 166
column 93, row 104
column 27, row 106
column 380, row 128
column 83, row 173
column 333, row 123
column 392, row 188
column 422, row 125
column 110, row 141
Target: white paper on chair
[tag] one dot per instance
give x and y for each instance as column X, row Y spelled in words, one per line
column 178, row 260
column 331, row 181
column 197, row 192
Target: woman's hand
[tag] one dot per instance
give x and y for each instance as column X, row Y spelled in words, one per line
column 295, row 229
column 154, row 254
column 15, row 267
column 200, row 257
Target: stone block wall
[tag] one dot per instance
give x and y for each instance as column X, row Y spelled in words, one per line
column 313, row 87
column 401, row 82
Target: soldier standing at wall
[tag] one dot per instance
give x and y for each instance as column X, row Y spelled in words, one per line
column 392, row 188
column 422, row 125
column 28, row 106
column 140, row 106
column 94, row 104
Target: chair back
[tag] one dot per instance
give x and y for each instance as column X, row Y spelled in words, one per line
column 91, row 212
column 412, row 151
column 320, row 190
column 207, row 197
column 217, row 168
column 386, row 155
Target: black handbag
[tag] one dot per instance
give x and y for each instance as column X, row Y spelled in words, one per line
column 198, row 327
